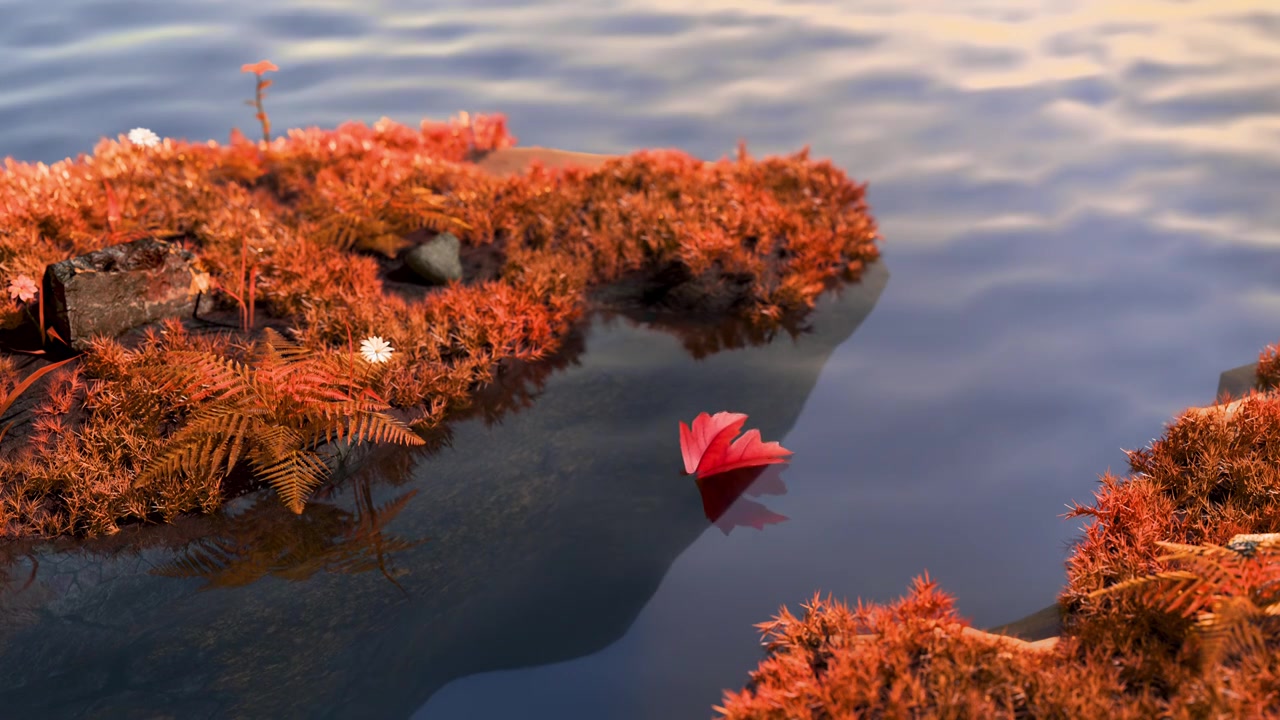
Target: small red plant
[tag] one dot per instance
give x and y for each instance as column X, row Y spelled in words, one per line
column 7, row 401
column 258, row 68
column 245, row 297
column 709, row 447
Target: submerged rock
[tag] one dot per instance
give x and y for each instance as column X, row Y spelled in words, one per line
column 437, row 260
column 120, row 287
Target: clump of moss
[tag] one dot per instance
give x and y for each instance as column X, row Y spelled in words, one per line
column 309, row 228
column 915, row 658
column 1268, row 371
column 1199, row 638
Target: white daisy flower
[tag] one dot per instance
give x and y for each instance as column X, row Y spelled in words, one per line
column 143, row 137
column 375, row 349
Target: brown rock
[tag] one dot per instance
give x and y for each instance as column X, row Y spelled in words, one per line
column 1224, row 411
column 1013, row 643
column 517, row 160
column 506, row 162
column 1255, row 538
column 1006, row 641
column 120, row 287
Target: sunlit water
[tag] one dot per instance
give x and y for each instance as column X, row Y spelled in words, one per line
column 1077, row 200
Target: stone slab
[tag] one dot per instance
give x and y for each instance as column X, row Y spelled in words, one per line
column 119, row 287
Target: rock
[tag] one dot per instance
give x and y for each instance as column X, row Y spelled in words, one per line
column 120, row 287
column 1221, row 411
column 506, row 162
column 1010, row 643
column 1254, row 538
column 1039, row 625
column 436, row 260
column 1238, row 381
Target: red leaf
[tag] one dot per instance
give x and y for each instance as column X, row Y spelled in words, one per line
column 21, row 387
column 707, row 430
column 707, row 450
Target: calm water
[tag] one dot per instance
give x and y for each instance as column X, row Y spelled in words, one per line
column 1077, row 201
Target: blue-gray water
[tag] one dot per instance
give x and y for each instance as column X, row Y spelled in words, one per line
column 1077, row 205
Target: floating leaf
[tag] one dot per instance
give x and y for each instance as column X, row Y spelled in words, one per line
column 709, row 448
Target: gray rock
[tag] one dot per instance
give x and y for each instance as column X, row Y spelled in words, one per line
column 436, row 260
column 120, row 287
column 1238, row 381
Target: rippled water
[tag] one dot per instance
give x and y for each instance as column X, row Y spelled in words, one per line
column 1077, row 204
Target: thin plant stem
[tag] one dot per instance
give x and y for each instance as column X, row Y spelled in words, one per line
column 253, row 276
column 262, row 112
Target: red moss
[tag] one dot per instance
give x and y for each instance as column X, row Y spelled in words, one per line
column 308, row 228
column 1268, row 372
column 913, row 658
column 1200, row 642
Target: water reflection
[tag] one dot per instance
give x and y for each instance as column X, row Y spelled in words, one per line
column 546, row 531
column 725, row 506
column 1078, row 201
column 267, row 539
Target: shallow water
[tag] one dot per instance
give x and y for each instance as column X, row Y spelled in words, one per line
column 1076, row 200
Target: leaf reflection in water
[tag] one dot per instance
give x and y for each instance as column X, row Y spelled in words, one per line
column 725, row 506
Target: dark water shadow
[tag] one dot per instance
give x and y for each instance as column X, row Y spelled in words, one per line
column 516, row 539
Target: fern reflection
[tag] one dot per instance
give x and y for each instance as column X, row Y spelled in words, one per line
column 268, row 539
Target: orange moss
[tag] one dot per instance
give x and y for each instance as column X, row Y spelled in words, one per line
column 1268, row 372
column 914, row 659
column 1193, row 633
column 304, row 227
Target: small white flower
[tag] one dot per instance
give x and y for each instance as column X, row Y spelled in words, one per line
column 143, row 137
column 375, row 349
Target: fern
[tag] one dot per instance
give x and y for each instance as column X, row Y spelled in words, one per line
column 376, row 215
column 1233, row 592
column 276, row 414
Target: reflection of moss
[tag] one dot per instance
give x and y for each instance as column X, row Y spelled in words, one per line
column 318, row 218
column 1193, row 633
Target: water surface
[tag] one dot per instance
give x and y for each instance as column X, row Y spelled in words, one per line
column 1076, row 199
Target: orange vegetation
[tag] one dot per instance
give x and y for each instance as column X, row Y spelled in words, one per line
column 306, row 227
column 1268, row 372
column 1167, row 611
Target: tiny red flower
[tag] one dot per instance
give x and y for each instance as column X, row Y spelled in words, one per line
column 259, row 67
